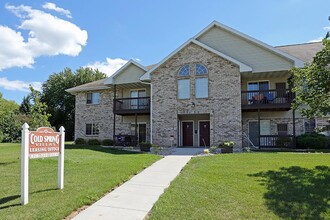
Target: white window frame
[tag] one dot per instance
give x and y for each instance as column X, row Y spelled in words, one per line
column 189, row 88
column 207, row 87
column 94, row 127
column 93, row 100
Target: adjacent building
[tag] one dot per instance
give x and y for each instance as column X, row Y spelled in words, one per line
column 220, row 85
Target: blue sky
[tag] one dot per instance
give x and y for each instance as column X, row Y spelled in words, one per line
column 39, row 38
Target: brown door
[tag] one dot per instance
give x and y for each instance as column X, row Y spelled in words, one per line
column 280, row 88
column 204, row 133
column 187, row 133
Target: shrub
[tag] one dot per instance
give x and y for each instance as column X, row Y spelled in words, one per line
column 107, row 142
column 94, row 142
column 80, row 141
column 314, row 141
column 227, row 144
column 283, row 142
column 145, row 146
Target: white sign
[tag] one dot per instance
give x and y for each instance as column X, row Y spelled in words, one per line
column 44, row 142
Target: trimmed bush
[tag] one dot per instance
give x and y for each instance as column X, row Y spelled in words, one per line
column 80, row 141
column 312, row 141
column 145, row 146
column 93, row 142
column 107, row 142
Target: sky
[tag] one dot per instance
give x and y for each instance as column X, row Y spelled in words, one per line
column 39, row 38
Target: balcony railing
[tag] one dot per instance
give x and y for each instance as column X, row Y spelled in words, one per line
column 276, row 141
column 267, row 99
column 129, row 106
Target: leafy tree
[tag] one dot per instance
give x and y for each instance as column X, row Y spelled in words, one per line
column 61, row 104
column 10, row 124
column 25, row 107
column 312, row 84
column 38, row 112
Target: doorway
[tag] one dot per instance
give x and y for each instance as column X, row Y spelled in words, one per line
column 187, row 133
column 204, row 133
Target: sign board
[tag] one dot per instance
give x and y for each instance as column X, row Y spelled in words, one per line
column 44, row 142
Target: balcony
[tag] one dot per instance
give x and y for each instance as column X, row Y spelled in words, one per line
column 276, row 141
column 131, row 106
column 279, row 100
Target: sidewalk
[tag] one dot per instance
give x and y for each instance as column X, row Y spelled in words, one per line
column 135, row 198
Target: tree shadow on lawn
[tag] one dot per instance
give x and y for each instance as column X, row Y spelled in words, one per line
column 100, row 149
column 296, row 192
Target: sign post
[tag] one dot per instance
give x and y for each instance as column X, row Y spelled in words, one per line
column 25, row 165
column 60, row 171
column 44, row 142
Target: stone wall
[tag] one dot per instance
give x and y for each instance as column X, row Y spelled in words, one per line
column 101, row 114
column 223, row 104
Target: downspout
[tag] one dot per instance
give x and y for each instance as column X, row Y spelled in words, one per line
column 150, row 109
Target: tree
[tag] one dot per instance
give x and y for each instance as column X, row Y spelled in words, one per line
column 61, row 104
column 38, row 111
column 25, row 107
column 312, row 84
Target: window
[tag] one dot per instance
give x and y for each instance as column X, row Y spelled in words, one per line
column 202, row 90
column 309, row 125
column 138, row 100
column 184, row 71
column 200, row 69
column 93, row 98
column 184, row 88
column 262, row 85
column 282, row 129
column 92, row 129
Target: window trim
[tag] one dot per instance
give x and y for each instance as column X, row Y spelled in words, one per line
column 202, row 74
column 181, row 68
column 93, row 125
column 91, row 103
column 189, row 89
column 207, row 82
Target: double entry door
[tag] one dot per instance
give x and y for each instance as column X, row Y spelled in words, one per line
column 188, row 132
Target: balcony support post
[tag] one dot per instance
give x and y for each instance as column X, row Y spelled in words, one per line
column 294, row 128
column 136, row 126
column 259, row 126
column 114, row 115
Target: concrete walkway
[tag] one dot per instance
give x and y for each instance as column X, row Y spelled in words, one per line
column 135, row 198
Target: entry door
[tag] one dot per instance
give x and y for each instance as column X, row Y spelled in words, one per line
column 254, row 133
column 280, row 88
column 204, row 133
column 142, row 133
column 188, row 133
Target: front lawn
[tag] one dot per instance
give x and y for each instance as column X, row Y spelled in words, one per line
column 249, row 186
column 90, row 172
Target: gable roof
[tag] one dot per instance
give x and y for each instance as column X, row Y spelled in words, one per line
column 92, row 86
column 243, row 67
column 304, row 52
column 122, row 69
column 297, row 62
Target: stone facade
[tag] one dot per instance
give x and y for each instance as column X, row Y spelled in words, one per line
column 223, row 103
column 101, row 114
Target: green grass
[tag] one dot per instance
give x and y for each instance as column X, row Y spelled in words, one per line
column 90, row 172
column 249, row 186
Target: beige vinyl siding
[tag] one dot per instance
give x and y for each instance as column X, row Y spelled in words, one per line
column 272, row 82
column 131, row 74
column 259, row 58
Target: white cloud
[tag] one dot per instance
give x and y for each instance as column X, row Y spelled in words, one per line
column 327, row 28
column 17, row 85
column 316, row 40
column 52, row 6
column 48, row 36
column 109, row 67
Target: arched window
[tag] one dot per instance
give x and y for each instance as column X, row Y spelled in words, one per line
column 202, row 85
column 184, row 71
column 201, row 69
